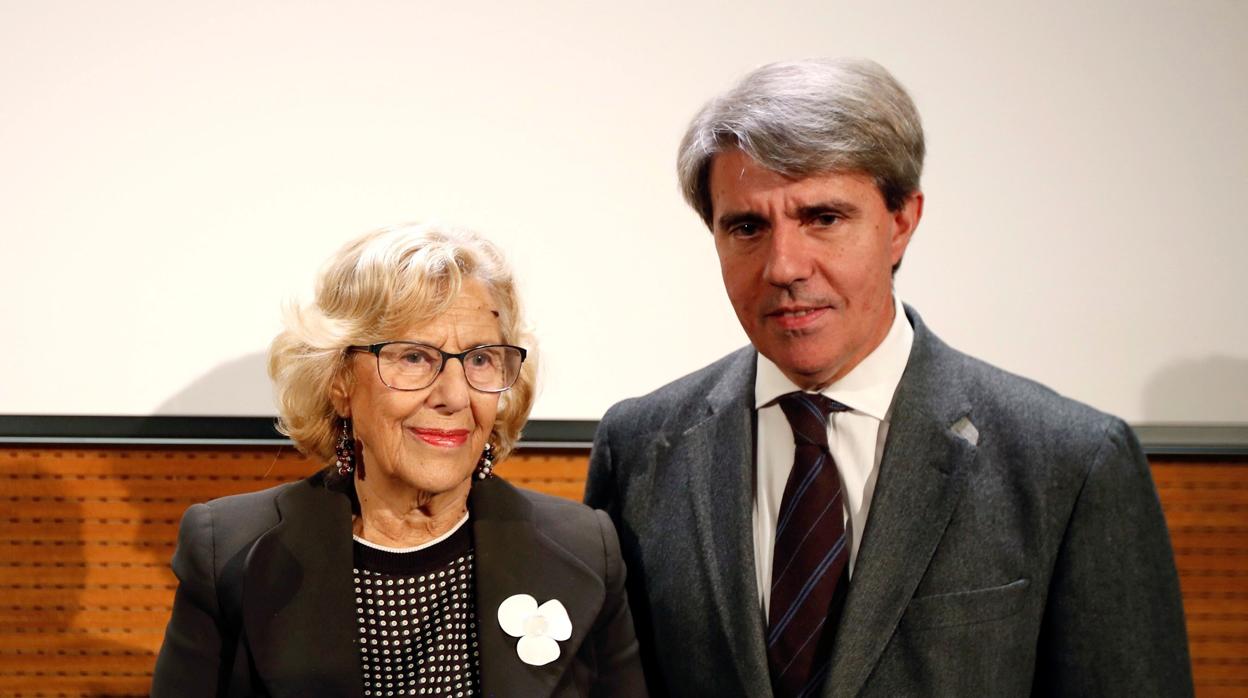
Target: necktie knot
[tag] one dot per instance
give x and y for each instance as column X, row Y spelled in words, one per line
column 808, row 415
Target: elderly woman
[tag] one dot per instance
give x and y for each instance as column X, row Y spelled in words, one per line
column 406, row 567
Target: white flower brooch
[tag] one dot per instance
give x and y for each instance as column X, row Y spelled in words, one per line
column 538, row 627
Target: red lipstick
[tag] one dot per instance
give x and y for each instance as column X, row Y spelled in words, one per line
column 444, row 438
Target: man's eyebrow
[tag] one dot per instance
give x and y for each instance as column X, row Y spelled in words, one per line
column 734, row 218
column 841, row 208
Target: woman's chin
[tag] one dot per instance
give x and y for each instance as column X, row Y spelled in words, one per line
column 422, row 468
column 432, row 478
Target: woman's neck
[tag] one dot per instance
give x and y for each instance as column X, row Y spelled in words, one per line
column 403, row 519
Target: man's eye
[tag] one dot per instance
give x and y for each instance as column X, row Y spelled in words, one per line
column 744, row 230
column 826, row 219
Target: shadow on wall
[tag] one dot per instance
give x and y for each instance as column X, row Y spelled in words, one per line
column 237, row 387
column 85, row 577
column 1209, row 390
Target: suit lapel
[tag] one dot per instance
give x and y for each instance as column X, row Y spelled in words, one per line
column 298, row 613
column 717, row 454
column 514, row 557
column 921, row 479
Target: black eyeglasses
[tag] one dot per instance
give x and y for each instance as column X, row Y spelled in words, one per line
column 490, row 368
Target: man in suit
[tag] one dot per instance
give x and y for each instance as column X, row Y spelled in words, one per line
column 849, row 507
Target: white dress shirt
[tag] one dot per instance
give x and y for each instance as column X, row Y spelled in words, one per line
column 855, row 438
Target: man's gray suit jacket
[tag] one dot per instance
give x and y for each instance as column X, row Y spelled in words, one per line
column 1015, row 544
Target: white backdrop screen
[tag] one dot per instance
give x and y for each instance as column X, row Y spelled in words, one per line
column 171, row 172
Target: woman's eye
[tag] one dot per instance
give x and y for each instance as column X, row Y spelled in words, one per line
column 415, row 358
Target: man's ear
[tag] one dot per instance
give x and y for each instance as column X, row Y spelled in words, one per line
column 905, row 220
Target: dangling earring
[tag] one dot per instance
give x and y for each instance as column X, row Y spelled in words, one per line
column 485, row 466
column 345, row 450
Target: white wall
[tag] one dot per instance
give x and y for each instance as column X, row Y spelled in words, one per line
column 171, row 171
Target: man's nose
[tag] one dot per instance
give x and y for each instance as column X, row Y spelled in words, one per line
column 788, row 256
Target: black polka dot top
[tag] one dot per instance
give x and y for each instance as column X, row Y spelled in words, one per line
column 418, row 619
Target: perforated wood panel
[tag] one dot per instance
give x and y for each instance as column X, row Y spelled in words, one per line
column 86, row 536
column 1206, row 506
column 85, row 542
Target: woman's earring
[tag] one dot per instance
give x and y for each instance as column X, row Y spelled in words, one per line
column 345, row 449
column 485, row 466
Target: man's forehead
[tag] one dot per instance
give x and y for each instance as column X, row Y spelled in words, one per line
column 734, row 172
column 739, row 179
column 734, row 164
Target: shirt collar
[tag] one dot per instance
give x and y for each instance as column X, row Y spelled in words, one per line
column 868, row 388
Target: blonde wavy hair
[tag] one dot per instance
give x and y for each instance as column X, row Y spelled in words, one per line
column 374, row 287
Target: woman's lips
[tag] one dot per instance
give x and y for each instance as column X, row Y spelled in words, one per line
column 445, row 438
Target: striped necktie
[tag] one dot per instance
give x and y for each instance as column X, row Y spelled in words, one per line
column 808, row 579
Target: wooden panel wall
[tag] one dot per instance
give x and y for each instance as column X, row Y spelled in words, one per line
column 1206, row 505
column 86, row 536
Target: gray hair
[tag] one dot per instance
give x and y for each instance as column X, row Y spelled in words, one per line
column 810, row 117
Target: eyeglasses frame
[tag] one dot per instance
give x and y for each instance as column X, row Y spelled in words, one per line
column 375, row 350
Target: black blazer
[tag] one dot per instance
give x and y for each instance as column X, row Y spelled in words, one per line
column 265, row 605
column 1015, row 544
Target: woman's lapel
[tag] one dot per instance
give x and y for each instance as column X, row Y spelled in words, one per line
column 514, row 557
column 298, row 609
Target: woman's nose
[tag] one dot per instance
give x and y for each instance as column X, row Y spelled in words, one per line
column 450, row 390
